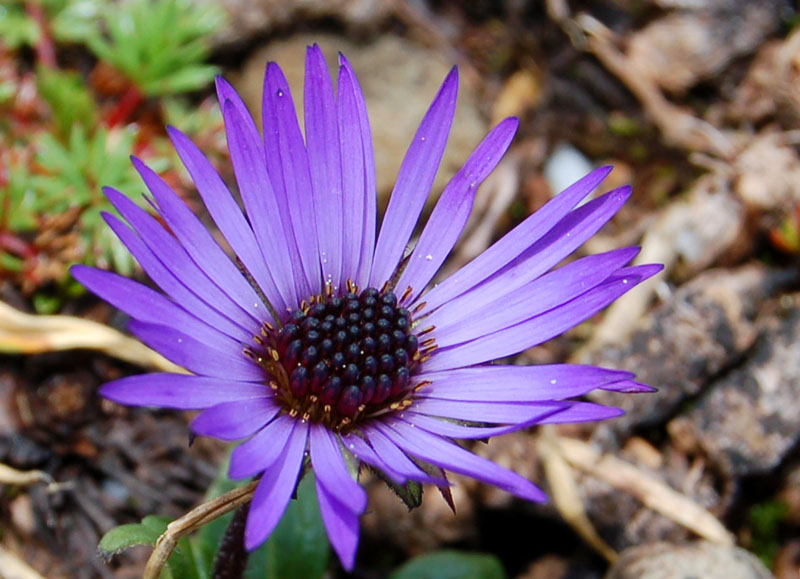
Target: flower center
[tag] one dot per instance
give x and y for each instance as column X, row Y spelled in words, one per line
column 342, row 358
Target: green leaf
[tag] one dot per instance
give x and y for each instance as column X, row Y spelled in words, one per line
column 451, row 565
column 298, row 547
column 125, row 536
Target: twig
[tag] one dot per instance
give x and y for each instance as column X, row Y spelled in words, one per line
column 192, row 521
column 22, row 333
column 652, row 491
column 12, row 567
column 565, row 494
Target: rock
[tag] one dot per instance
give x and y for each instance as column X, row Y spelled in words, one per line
column 699, row 560
column 703, row 329
column 747, row 421
column 247, row 19
column 685, row 46
column 399, row 80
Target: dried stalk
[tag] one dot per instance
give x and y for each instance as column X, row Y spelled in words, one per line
column 192, row 521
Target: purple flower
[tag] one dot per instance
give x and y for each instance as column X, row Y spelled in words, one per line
column 320, row 342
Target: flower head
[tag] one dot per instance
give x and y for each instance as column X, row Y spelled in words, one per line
column 319, row 344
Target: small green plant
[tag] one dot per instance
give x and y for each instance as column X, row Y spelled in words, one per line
column 159, row 45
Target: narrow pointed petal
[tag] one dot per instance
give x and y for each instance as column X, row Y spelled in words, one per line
column 179, row 391
column 390, row 453
column 477, row 318
column 195, row 356
column 583, row 412
column 370, row 191
column 414, row 181
column 290, row 168
column 200, row 245
column 147, row 305
column 366, row 454
column 174, row 258
column 260, row 452
column 509, row 247
column 541, row 328
column 275, row 489
column 453, row 209
column 434, row 449
column 628, row 387
column 324, row 160
column 564, row 238
column 450, row 429
column 166, row 279
column 238, row 419
column 354, row 184
column 341, row 524
column 519, row 383
column 492, row 412
column 331, row 470
column 229, row 218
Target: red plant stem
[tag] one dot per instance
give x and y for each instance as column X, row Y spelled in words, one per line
column 45, row 49
column 15, row 245
column 126, row 106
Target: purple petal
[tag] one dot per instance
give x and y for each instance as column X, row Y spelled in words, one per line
column 260, row 452
column 331, row 470
column 182, row 293
column 453, row 430
column 629, row 387
column 200, row 358
column 354, row 184
column 324, row 160
column 583, row 412
column 178, row 391
column 275, row 489
column 389, row 452
column 494, row 412
column 450, row 215
column 432, row 448
column 365, row 453
column 200, row 245
column 509, row 247
column 147, row 305
column 341, row 524
column 282, row 137
column 414, row 181
column 229, row 218
column 238, row 419
column 466, row 318
column 518, row 383
column 541, row 328
column 370, row 193
column 564, row 238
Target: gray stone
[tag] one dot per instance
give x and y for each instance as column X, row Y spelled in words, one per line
column 701, row 560
column 747, row 422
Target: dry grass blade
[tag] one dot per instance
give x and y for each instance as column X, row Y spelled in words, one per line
column 12, row 567
column 192, row 521
column 22, row 333
column 564, row 493
column 653, row 492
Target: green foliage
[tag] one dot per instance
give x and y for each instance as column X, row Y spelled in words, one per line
column 298, row 547
column 160, row 45
column 76, row 171
column 764, row 519
column 69, row 21
column 16, row 27
column 451, row 565
column 69, row 100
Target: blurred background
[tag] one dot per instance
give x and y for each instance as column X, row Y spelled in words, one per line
column 695, row 102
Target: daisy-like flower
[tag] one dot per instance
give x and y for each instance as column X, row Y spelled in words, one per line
column 319, row 343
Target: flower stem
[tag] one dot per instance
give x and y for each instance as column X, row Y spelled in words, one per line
column 231, row 560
